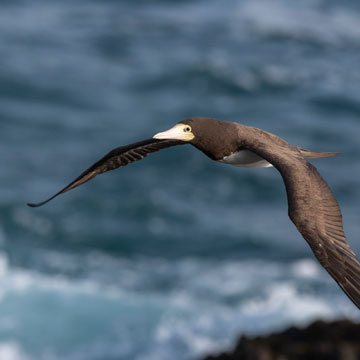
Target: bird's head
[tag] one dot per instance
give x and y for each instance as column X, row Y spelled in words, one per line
column 181, row 131
column 207, row 134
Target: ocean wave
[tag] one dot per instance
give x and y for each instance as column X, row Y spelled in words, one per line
column 307, row 21
column 188, row 306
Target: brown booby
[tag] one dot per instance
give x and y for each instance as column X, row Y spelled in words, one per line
column 312, row 206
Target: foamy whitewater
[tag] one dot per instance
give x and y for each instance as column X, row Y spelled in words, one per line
column 176, row 256
column 156, row 307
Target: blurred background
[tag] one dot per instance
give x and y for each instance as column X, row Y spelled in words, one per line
column 175, row 256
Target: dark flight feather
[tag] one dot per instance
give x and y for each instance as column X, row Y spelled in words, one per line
column 317, row 215
column 120, row 156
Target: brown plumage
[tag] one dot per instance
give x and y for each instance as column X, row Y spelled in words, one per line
column 312, row 206
column 117, row 157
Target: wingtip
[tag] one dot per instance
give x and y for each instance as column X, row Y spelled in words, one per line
column 33, row 205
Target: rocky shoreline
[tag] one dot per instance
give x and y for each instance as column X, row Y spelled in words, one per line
column 338, row 340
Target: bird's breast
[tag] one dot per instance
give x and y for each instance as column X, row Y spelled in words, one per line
column 245, row 158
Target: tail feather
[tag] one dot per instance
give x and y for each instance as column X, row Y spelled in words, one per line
column 308, row 154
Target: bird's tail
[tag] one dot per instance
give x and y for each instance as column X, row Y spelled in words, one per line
column 308, row 154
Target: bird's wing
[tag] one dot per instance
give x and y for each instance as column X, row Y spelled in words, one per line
column 317, row 215
column 117, row 157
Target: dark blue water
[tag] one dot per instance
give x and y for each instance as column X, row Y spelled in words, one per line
column 174, row 256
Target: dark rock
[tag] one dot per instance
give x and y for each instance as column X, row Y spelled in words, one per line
column 338, row 340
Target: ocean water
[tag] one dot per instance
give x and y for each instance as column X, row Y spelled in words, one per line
column 175, row 256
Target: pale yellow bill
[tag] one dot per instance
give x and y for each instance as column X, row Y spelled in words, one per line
column 178, row 132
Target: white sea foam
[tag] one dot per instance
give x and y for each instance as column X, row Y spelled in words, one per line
column 306, row 268
column 284, row 301
column 14, row 280
column 11, row 350
column 205, row 305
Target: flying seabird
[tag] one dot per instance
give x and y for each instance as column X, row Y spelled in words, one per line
column 312, row 206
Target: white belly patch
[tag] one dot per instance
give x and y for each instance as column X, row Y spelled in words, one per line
column 245, row 158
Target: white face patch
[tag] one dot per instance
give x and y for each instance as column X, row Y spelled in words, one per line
column 245, row 158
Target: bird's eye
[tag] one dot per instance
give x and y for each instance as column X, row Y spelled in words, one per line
column 187, row 129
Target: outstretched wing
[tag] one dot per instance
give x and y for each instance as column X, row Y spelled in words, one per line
column 317, row 215
column 120, row 156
